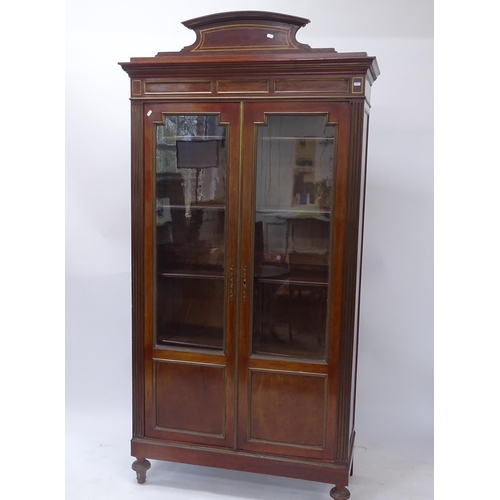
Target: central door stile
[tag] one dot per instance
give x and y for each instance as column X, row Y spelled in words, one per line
column 247, row 178
column 233, row 263
column 237, row 331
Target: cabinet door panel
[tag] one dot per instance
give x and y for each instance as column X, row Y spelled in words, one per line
column 287, row 408
column 191, row 160
column 294, row 170
column 294, row 165
column 185, row 391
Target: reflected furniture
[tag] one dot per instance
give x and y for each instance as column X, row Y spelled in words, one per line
column 248, row 179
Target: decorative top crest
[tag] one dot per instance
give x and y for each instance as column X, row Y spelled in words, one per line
column 245, row 31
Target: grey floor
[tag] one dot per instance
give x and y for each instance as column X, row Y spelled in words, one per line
column 393, row 457
column 98, row 467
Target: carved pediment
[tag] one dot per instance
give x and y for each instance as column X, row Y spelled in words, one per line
column 245, row 31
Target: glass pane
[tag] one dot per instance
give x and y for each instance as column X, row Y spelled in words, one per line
column 294, row 191
column 190, row 218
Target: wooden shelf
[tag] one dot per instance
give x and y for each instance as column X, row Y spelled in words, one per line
column 198, row 206
column 303, row 278
column 204, row 274
column 197, row 336
column 308, row 212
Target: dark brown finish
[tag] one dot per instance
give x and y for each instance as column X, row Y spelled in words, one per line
column 215, row 391
column 141, row 466
column 340, row 493
column 274, row 398
column 181, row 87
column 194, row 390
column 249, row 30
column 309, row 85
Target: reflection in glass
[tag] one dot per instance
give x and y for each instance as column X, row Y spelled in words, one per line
column 190, row 218
column 294, row 190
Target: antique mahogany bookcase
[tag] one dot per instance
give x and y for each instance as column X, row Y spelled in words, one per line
column 248, row 180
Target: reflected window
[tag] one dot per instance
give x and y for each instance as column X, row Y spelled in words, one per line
column 294, row 198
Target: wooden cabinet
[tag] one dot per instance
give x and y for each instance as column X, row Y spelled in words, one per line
column 248, row 175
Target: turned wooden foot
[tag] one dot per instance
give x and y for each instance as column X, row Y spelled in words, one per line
column 340, row 492
column 141, row 465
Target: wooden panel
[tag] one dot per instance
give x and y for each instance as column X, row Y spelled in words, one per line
column 138, row 319
column 181, row 87
column 247, row 86
column 245, row 30
column 136, row 87
column 190, row 397
column 312, row 85
column 244, row 36
column 287, row 408
column 351, row 270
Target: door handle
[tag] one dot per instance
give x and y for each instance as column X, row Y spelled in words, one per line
column 231, row 283
column 245, row 284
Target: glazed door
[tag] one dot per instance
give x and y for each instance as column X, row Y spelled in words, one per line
column 244, row 211
column 191, row 161
column 294, row 174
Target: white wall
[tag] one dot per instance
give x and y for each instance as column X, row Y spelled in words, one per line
column 395, row 384
column 396, row 346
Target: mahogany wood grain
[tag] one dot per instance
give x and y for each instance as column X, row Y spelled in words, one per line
column 231, row 407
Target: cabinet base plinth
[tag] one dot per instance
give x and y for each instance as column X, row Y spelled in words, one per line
column 310, row 470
